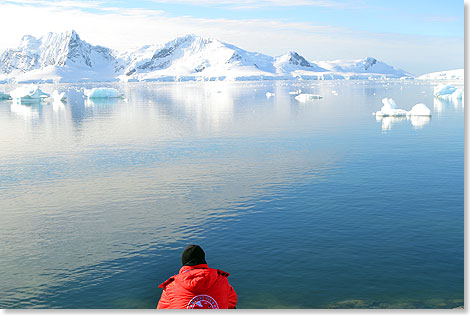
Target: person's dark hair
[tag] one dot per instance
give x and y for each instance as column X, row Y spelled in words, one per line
column 193, row 255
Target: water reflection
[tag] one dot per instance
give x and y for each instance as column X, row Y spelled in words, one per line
column 441, row 105
column 126, row 184
column 100, row 103
column 25, row 111
column 58, row 105
column 417, row 122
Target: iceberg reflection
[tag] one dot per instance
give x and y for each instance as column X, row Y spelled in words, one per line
column 100, row 102
column 441, row 104
column 211, row 105
column 388, row 121
column 417, row 122
column 25, row 111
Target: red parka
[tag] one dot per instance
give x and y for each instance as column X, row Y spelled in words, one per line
column 198, row 287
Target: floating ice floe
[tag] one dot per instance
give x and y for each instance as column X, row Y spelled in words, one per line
column 103, row 93
column 390, row 108
column 269, row 94
column 448, row 92
column 296, row 92
column 307, row 97
column 58, row 97
column 419, row 110
column 28, row 93
column 4, row 96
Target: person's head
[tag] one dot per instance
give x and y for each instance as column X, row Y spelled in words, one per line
column 193, row 255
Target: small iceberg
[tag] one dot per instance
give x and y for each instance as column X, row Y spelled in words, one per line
column 448, row 92
column 419, row 110
column 391, row 109
column 58, row 97
column 269, row 94
column 103, row 93
column 29, row 93
column 307, row 97
column 419, row 115
column 296, row 92
column 4, row 96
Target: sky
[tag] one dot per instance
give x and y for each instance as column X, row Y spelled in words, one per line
column 418, row 36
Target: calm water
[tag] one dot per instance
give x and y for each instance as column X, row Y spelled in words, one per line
column 307, row 205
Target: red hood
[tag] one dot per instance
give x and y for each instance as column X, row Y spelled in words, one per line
column 196, row 278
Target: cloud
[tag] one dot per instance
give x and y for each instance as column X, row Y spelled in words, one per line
column 63, row 3
column 251, row 4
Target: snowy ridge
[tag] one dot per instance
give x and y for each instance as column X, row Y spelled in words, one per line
column 64, row 57
column 444, row 75
column 363, row 66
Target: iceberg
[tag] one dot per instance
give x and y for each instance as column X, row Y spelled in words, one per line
column 419, row 110
column 28, row 93
column 419, row 115
column 448, row 92
column 307, row 97
column 58, row 97
column 296, row 92
column 4, row 96
column 103, row 93
column 391, row 109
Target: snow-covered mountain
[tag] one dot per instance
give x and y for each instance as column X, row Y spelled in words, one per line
column 58, row 57
column 362, row 66
column 65, row 57
column 194, row 57
column 448, row 75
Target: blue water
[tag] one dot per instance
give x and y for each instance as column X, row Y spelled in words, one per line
column 315, row 205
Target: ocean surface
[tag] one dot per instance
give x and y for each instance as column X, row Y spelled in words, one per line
column 306, row 205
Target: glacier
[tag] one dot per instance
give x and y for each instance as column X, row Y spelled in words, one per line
column 66, row 58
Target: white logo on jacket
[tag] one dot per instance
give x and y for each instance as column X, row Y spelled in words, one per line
column 203, row 302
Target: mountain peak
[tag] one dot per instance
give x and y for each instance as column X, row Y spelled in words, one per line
column 72, row 34
column 53, row 49
column 191, row 56
column 369, row 62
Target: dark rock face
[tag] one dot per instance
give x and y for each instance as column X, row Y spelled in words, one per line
column 369, row 62
column 298, row 60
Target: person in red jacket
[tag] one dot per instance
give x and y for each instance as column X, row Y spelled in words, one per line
column 197, row 286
